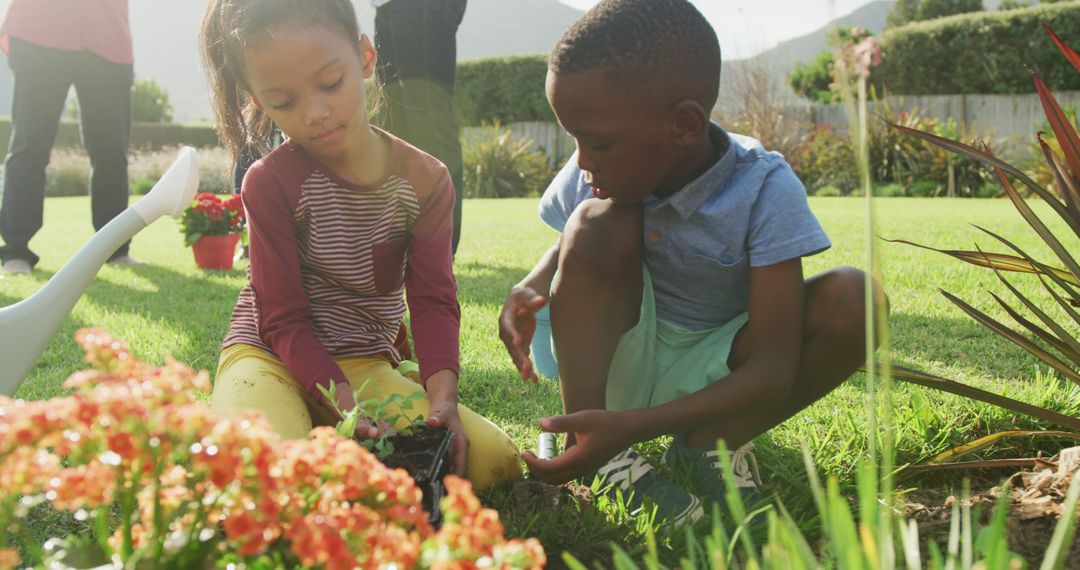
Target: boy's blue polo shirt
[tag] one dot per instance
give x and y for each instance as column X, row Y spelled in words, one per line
column 748, row 210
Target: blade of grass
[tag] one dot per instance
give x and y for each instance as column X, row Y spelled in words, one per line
column 913, row 376
column 1013, row 336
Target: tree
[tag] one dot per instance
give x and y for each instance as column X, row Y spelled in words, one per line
column 813, row 80
column 150, row 102
column 930, row 9
column 907, row 11
column 903, row 11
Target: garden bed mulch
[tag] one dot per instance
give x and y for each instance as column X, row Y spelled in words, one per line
column 1035, row 506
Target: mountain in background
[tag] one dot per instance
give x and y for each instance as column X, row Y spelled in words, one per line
column 780, row 60
column 165, row 34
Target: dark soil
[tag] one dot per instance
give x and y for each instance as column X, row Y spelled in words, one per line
column 1027, row 537
column 416, row 451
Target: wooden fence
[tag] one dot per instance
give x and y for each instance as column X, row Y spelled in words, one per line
column 1012, row 120
column 547, row 137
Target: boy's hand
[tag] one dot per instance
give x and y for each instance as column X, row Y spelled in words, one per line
column 600, row 435
column 517, row 325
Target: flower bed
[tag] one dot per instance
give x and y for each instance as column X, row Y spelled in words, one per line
column 170, row 483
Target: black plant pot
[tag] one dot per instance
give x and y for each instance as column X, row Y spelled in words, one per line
column 422, row 453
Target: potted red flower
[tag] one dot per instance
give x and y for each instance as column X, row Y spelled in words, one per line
column 212, row 227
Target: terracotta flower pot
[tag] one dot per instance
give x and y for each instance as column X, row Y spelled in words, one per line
column 215, row 252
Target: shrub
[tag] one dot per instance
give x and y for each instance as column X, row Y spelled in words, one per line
column 827, row 192
column 980, row 53
column 499, row 165
column 503, row 90
column 825, row 157
column 150, row 102
column 919, row 161
column 215, row 165
column 889, row 190
column 68, row 173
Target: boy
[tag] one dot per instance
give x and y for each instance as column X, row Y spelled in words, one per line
column 678, row 304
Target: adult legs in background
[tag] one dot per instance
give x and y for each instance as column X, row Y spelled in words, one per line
column 417, row 45
column 42, row 78
column 104, row 90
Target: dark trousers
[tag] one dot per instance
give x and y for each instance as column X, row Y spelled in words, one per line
column 42, row 79
column 417, row 45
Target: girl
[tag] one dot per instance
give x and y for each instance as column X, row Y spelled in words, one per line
column 342, row 217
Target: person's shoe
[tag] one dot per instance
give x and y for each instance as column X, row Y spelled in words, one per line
column 644, row 488
column 702, row 468
column 17, row 267
column 124, row 261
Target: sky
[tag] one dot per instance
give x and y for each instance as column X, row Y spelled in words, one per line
column 746, row 27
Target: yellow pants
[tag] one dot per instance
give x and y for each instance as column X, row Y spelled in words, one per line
column 250, row 378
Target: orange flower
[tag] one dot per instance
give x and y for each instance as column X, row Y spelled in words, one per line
column 9, row 558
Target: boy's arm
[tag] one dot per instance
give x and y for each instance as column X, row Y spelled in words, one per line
column 517, row 321
column 775, row 333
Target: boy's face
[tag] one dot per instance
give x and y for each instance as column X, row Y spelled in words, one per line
column 624, row 138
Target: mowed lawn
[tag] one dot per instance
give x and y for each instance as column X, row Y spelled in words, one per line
column 169, row 307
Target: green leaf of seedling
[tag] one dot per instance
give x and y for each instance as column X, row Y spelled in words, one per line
column 190, row 239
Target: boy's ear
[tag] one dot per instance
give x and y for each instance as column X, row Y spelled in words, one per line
column 689, row 122
column 368, row 56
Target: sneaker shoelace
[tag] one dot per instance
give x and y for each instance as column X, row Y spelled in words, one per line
column 743, row 465
column 625, row 469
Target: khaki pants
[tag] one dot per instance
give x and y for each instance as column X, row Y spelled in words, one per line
column 250, row 378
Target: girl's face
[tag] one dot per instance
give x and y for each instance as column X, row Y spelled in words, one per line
column 310, row 81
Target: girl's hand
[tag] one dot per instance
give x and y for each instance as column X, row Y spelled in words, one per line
column 343, row 393
column 445, row 414
column 442, row 395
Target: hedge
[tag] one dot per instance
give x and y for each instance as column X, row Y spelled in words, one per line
column 144, row 136
column 502, row 89
column 980, row 53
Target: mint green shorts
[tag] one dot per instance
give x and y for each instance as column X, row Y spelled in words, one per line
column 657, row 362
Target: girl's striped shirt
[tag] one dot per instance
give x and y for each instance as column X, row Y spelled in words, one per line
column 330, row 261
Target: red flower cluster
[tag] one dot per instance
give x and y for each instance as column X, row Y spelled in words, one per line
column 209, row 215
column 134, row 438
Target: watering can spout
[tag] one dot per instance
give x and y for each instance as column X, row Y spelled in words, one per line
column 27, row 326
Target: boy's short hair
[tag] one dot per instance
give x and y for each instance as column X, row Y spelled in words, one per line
column 663, row 45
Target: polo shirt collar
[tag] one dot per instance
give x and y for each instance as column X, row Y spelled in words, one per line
column 687, row 200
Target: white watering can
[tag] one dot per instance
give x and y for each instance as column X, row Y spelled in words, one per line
column 27, row 326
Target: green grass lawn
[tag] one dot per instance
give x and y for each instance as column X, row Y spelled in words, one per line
column 168, row 307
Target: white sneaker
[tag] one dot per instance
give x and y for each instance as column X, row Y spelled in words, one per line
column 17, row 267
column 124, row 261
